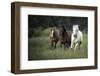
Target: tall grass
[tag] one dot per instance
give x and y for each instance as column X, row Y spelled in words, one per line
column 39, row 49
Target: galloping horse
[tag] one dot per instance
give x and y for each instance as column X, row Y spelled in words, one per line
column 54, row 38
column 76, row 38
column 64, row 37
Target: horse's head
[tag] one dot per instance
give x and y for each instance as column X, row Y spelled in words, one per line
column 75, row 30
column 62, row 30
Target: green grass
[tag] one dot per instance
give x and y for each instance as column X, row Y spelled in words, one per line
column 39, row 49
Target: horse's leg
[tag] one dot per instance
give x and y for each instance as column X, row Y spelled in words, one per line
column 55, row 44
column 80, row 44
column 67, row 45
column 64, row 45
column 51, row 44
column 76, row 45
column 61, row 44
column 72, row 44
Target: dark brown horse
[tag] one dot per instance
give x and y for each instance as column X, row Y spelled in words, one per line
column 64, row 37
column 54, row 37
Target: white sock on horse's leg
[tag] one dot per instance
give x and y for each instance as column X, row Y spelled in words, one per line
column 76, row 45
column 71, row 45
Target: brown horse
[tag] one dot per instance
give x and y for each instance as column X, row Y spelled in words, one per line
column 54, row 37
column 64, row 37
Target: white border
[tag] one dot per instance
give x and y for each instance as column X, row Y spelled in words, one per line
column 25, row 64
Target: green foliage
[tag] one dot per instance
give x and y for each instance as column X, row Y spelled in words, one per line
column 38, row 24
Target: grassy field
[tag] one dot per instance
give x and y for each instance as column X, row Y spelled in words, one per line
column 39, row 49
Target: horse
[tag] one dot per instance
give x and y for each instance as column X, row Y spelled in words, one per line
column 54, row 37
column 64, row 37
column 76, row 38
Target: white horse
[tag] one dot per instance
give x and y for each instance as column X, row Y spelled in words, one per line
column 76, row 38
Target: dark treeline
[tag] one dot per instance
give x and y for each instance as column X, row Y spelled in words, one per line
column 36, row 21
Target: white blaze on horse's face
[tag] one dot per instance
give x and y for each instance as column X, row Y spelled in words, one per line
column 52, row 33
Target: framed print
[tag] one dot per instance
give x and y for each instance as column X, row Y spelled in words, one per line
column 52, row 37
